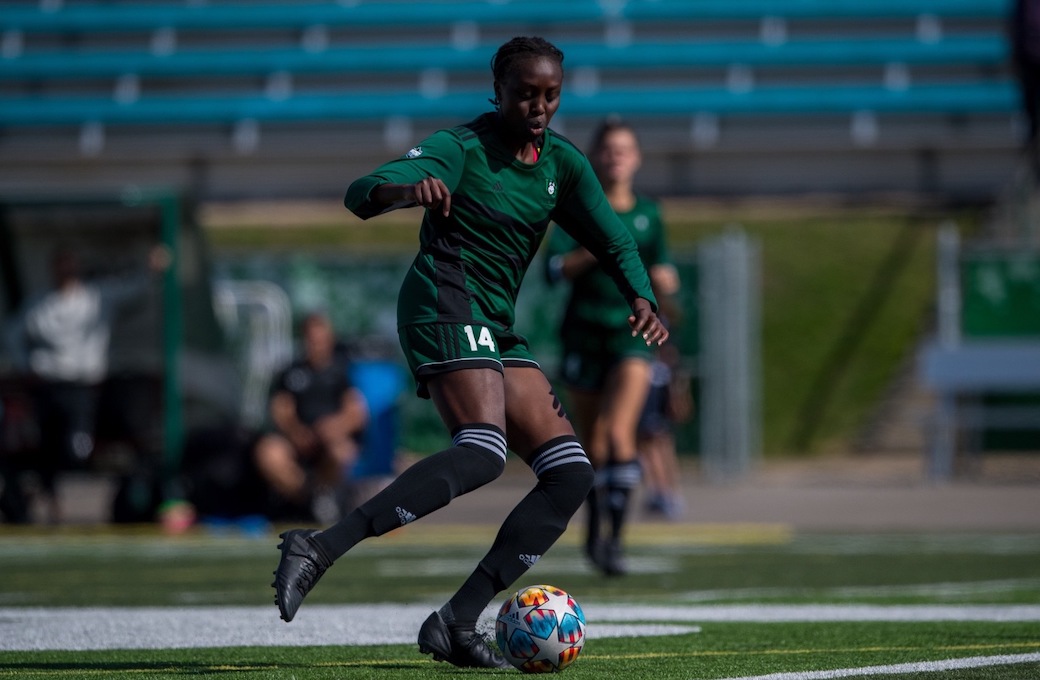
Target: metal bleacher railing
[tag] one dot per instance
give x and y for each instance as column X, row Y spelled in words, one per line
column 982, row 86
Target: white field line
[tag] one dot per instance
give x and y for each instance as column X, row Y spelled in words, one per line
column 894, row 669
column 70, row 628
column 76, row 628
column 935, row 590
column 769, row 613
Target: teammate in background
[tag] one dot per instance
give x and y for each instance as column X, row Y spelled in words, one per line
column 606, row 370
column 318, row 418
column 489, row 189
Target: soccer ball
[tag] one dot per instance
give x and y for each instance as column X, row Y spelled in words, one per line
column 540, row 629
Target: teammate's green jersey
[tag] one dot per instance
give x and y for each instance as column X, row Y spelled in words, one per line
column 471, row 263
column 594, row 300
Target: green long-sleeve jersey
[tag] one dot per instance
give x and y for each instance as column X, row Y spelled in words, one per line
column 471, row 263
column 593, row 299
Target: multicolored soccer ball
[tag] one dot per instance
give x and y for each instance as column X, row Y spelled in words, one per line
column 540, row 629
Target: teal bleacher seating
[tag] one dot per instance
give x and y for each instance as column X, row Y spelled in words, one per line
column 379, row 105
column 32, row 17
column 985, row 50
column 75, row 82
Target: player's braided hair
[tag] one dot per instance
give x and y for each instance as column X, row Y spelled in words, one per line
column 517, row 50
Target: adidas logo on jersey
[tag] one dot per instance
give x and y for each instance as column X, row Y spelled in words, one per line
column 405, row 516
column 529, row 560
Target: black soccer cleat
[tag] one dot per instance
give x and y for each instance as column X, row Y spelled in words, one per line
column 461, row 648
column 595, row 550
column 607, row 557
column 298, row 570
column 613, row 559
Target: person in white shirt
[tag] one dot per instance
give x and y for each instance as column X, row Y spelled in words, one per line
column 65, row 334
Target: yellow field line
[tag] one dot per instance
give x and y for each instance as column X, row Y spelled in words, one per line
column 647, row 533
column 654, row 534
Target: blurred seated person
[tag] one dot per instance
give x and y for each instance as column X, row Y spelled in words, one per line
column 317, row 418
column 63, row 340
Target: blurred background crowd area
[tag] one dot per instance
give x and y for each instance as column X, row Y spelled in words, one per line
column 850, row 191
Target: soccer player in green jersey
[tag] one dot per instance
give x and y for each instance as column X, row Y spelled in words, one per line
column 606, row 370
column 490, row 188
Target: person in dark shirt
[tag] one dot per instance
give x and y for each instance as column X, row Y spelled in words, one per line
column 316, row 419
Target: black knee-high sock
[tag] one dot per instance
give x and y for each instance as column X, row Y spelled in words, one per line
column 622, row 480
column 564, row 478
column 478, row 457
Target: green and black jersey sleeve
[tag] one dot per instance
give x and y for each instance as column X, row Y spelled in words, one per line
column 593, row 297
column 586, row 215
column 441, row 155
column 470, row 264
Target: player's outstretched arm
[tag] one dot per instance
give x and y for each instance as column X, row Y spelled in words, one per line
column 644, row 322
column 430, row 193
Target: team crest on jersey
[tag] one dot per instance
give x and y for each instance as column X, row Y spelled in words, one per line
column 414, row 152
column 550, row 187
column 641, row 223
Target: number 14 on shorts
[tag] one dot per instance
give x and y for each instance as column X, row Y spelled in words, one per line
column 479, row 336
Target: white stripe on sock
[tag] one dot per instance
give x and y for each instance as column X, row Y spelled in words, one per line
column 486, row 439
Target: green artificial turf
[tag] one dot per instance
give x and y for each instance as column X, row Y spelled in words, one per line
column 69, row 568
column 720, row 651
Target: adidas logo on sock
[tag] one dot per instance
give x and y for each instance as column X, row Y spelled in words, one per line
column 529, row 560
column 405, row 516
